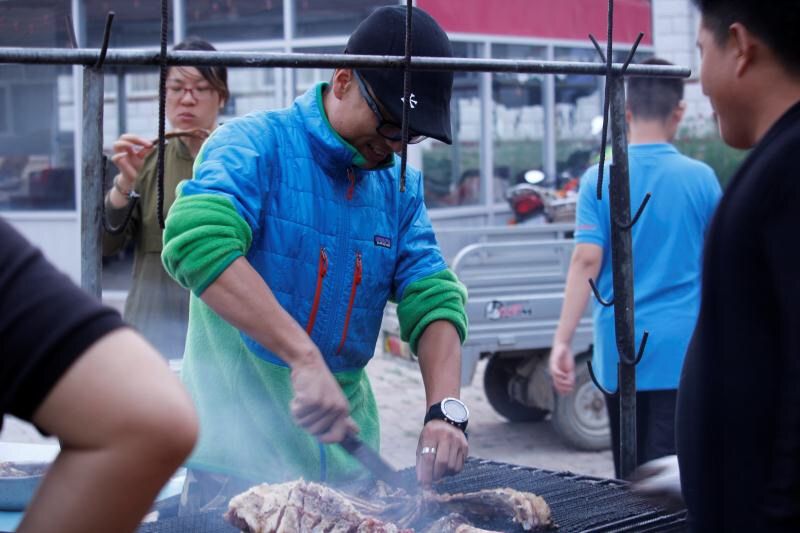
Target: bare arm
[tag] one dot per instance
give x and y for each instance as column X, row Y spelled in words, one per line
column 241, row 297
column 125, row 424
column 439, row 352
column 585, row 265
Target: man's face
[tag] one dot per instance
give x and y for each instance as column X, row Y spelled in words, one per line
column 370, row 128
column 719, row 80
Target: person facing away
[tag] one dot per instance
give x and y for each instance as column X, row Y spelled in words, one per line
column 72, row 367
column 738, row 420
column 667, row 246
column 156, row 305
column 292, row 235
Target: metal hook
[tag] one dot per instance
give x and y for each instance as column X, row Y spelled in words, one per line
column 635, row 218
column 597, row 295
column 71, row 40
column 597, row 383
column 597, row 47
column 641, row 347
column 632, row 52
column 106, row 38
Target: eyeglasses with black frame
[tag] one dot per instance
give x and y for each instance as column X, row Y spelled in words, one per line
column 386, row 128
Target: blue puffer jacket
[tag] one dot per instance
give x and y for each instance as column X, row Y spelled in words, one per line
column 332, row 241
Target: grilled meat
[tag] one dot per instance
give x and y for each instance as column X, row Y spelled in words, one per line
column 526, row 509
column 300, row 506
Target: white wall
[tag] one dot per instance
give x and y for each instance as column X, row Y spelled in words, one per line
column 56, row 234
column 675, row 24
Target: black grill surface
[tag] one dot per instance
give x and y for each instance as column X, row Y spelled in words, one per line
column 578, row 503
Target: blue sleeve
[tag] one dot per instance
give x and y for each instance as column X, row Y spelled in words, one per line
column 419, row 254
column 232, row 165
column 589, row 226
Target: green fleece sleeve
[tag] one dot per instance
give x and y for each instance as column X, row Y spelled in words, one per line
column 203, row 235
column 439, row 296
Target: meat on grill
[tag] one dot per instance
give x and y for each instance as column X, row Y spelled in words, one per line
column 300, row 506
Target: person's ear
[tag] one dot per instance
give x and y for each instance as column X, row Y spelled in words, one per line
column 679, row 111
column 341, row 82
column 744, row 47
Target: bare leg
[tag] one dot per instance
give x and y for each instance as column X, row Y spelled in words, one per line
column 125, row 425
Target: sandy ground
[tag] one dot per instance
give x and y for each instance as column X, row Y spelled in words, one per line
column 401, row 399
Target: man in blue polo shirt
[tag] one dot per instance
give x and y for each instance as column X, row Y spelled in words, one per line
column 667, row 246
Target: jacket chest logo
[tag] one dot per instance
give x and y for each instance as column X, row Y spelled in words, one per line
column 383, row 242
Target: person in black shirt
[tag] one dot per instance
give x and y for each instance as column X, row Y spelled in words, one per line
column 72, row 367
column 738, row 416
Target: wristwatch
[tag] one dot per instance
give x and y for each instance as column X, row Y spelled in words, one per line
column 451, row 410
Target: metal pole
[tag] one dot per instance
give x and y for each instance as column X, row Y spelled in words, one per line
column 622, row 266
column 122, row 103
column 487, row 133
column 91, row 184
column 550, row 135
column 89, row 56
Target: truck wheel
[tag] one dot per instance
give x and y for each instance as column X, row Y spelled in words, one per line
column 580, row 418
column 496, row 378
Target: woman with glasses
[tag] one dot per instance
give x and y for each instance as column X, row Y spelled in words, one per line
column 156, row 305
column 292, row 236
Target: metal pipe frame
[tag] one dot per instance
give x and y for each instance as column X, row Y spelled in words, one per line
column 89, row 56
column 622, row 276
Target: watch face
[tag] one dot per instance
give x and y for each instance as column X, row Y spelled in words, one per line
column 455, row 410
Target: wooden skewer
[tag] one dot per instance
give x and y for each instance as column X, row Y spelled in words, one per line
column 198, row 133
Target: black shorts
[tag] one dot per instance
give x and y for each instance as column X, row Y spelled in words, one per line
column 46, row 323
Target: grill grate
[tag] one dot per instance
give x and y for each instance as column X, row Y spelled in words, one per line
column 579, row 503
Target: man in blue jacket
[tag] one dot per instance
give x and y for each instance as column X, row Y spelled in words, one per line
column 292, row 236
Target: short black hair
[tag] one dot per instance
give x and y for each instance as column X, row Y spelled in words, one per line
column 775, row 22
column 217, row 75
column 654, row 98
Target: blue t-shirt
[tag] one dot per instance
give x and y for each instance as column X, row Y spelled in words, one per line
column 667, row 250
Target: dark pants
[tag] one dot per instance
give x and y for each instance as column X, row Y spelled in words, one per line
column 655, row 425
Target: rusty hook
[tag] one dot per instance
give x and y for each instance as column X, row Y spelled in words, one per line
column 597, row 295
column 106, row 38
column 597, row 383
column 641, row 347
column 635, row 218
column 632, row 52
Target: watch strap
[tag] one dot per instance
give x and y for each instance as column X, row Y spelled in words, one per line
column 435, row 412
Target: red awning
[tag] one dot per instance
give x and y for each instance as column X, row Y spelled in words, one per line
column 549, row 19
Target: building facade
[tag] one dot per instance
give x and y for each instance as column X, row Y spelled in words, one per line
column 503, row 124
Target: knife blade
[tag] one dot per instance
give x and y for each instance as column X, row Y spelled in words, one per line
column 373, row 462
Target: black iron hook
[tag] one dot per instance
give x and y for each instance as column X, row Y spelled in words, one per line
column 597, row 295
column 597, row 383
column 641, row 347
column 635, row 218
column 106, row 38
column 71, row 40
column 598, row 48
column 632, row 52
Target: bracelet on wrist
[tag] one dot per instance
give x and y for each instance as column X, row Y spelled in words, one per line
column 127, row 194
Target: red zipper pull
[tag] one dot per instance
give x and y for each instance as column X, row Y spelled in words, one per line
column 322, row 270
column 351, row 175
column 356, row 282
column 323, row 262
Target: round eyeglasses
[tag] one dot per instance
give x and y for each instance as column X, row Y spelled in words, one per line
column 387, row 129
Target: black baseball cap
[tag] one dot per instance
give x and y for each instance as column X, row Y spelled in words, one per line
column 383, row 33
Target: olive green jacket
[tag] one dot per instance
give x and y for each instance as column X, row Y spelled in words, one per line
column 157, row 306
